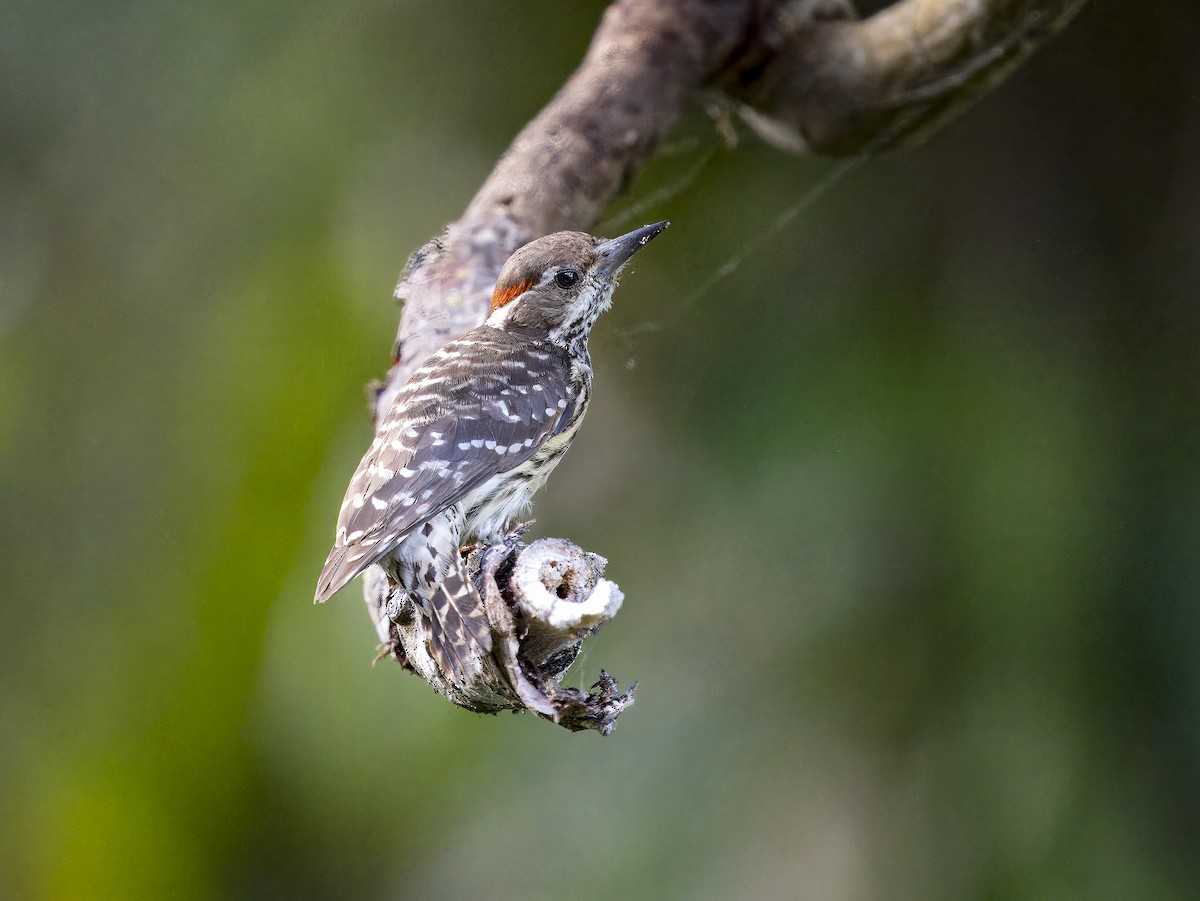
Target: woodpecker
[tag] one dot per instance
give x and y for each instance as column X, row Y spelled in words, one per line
column 473, row 434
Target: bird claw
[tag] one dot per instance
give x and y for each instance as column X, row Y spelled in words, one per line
column 513, row 536
column 509, row 541
column 515, row 531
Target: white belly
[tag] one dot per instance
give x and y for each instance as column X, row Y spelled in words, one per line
column 495, row 505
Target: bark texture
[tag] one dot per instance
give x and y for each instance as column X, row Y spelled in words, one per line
column 808, row 75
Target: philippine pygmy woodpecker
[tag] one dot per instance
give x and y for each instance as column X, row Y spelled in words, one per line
column 473, row 434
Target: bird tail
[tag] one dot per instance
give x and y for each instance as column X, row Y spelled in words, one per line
column 460, row 635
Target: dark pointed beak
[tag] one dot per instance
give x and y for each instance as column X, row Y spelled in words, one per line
column 616, row 252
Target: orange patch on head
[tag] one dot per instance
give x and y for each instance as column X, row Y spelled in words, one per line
column 507, row 295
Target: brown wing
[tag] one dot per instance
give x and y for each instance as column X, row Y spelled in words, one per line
column 481, row 406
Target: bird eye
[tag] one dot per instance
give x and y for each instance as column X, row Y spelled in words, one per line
column 566, row 278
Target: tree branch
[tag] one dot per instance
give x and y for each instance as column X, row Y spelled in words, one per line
column 848, row 87
column 837, row 85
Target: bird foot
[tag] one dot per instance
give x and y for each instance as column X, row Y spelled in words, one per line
column 510, row 539
column 515, row 531
column 513, row 536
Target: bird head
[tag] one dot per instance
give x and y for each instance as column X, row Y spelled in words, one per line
column 558, row 285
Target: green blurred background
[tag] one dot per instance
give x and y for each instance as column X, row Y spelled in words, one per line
column 906, row 509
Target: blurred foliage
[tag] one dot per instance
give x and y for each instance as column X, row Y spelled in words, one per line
column 906, row 506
